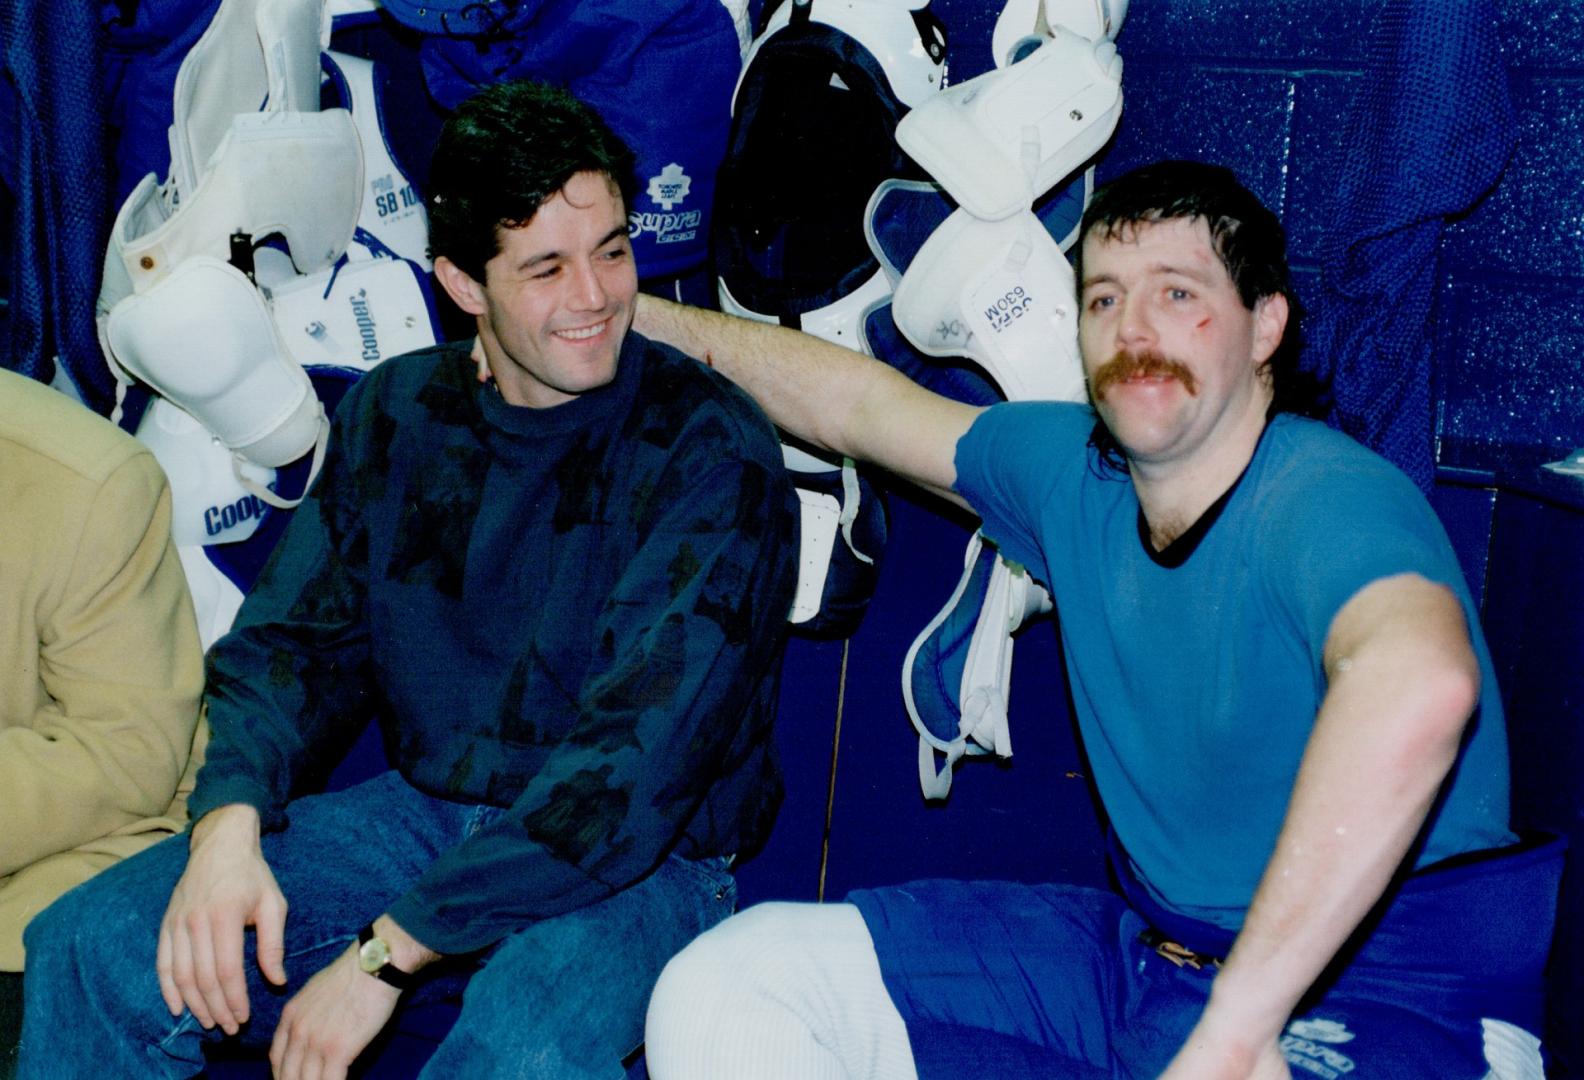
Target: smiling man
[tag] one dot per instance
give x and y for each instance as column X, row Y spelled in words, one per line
column 1283, row 694
column 561, row 591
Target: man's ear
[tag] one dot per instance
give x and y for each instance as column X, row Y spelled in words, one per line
column 464, row 291
column 1270, row 323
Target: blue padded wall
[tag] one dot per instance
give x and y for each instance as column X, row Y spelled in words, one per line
column 789, row 867
column 1512, row 384
column 1534, row 616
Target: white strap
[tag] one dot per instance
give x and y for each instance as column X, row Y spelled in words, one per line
column 849, row 512
column 936, row 783
column 253, row 487
column 1011, row 599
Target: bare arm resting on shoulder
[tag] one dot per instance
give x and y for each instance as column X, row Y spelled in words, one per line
column 833, row 397
column 1402, row 682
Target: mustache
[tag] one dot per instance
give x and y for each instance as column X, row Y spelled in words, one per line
column 1127, row 365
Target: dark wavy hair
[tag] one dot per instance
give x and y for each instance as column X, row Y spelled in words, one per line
column 1248, row 239
column 505, row 152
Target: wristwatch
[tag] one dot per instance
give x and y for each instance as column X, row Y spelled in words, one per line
column 374, row 957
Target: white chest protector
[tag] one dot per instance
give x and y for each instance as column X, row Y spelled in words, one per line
column 392, row 210
column 173, row 313
column 208, row 344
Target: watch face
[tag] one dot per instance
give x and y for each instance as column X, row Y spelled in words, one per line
column 374, row 955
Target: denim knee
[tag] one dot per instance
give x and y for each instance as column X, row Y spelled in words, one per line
column 51, row 938
column 94, row 949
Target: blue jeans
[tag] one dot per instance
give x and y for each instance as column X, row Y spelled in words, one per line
column 1005, row 979
column 564, row 997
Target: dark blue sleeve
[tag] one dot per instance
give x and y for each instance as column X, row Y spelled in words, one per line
column 293, row 672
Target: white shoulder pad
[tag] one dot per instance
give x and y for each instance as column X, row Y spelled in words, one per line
column 297, row 174
column 203, row 338
column 256, row 54
column 1002, row 294
column 999, row 141
column 957, row 676
column 886, row 28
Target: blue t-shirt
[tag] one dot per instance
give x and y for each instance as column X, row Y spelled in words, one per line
column 1196, row 685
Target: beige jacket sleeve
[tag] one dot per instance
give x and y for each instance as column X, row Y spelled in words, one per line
column 97, row 720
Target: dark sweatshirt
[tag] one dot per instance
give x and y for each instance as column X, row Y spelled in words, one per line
column 573, row 612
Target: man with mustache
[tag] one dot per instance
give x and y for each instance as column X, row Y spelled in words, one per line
column 1282, row 690
column 562, row 591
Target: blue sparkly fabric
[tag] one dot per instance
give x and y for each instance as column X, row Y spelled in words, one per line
column 51, row 55
column 1430, row 131
column 92, row 85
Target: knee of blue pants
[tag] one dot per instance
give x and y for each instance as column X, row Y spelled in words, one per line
column 91, row 963
column 79, row 924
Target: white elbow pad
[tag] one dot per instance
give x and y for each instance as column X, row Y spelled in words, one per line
column 204, row 339
column 1002, row 294
column 999, row 141
column 1023, row 22
column 255, row 55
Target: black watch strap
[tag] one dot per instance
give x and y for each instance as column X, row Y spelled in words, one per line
column 374, row 957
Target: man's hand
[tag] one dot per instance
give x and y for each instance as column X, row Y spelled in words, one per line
column 332, row 1019
column 328, row 1023
column 226, row 887
column 1207, row 1055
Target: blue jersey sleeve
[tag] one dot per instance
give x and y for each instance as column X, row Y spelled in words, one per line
column 1346, row 518
column 1016, row 465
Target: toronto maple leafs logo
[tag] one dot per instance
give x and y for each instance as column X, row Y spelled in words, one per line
column 670, row 187
column 1325, row 1031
